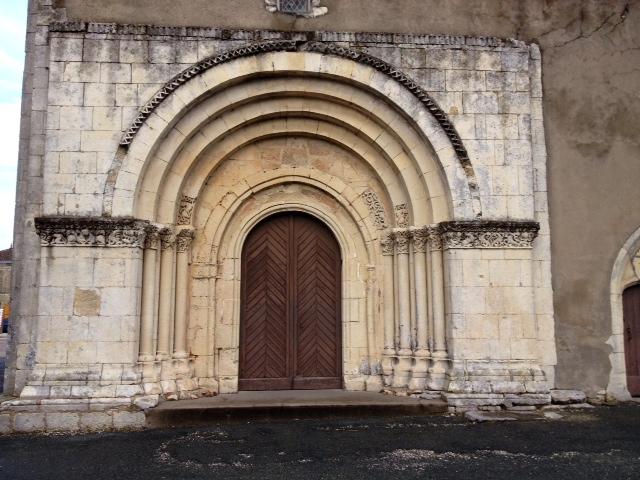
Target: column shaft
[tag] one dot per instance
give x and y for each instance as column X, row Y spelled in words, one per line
column 182, row 293
column 401, row 237
column 148, row 298
column 166, row 295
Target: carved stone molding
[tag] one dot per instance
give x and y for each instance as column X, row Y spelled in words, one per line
column 402, row 216
column 419, row 238
column 186, row 210
column 183, row 240
column 402, row 239
column 167, row 238
column 91, row 232
column 195, row 70
column 376, row 209
column 151, row 238
column 434, row 234
column 387, row 244
column 489, row 234
column 262, row 35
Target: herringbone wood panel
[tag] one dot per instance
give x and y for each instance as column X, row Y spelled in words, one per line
column 290, row 305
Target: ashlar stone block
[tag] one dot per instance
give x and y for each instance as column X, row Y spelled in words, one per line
column 29, row 422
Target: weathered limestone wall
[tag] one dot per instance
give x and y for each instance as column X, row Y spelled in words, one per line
column 591, row 114
column 5, row 283
column 99, row 77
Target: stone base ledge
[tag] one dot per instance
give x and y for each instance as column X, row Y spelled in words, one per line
column 462, row 402
column 74, row 415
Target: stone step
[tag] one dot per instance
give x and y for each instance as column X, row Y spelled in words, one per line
column 288, row 404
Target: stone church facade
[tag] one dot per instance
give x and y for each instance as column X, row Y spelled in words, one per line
column 163, row 151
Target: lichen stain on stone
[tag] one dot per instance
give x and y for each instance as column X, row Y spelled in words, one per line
column 86, row 303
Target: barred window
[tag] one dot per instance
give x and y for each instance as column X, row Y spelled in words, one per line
column 299, row 7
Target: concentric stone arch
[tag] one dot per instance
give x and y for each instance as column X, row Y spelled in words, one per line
column 360, row 70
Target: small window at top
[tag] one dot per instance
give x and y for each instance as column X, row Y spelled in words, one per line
column 299, row 7
column 302, row 8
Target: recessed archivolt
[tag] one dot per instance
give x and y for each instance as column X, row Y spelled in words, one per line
column 210, row 159
column 356, row 323
column 181, row 117
column 380, row 131
column 214, row 221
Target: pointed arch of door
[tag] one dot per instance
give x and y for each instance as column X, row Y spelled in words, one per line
column 622, row 278
column 291, row 302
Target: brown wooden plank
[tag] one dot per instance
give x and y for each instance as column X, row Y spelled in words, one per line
column 290, row 315
column 318, row 305
column 264, row 322
column 631, row 312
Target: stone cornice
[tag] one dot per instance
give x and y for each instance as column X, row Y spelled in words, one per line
column 91, row 232
column 488, row 234
column 265, row 35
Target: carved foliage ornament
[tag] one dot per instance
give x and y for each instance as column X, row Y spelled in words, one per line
column 186, row 210
column 402, row 239
column 376, row 209
column 489, row 234
column 183, row 240
column 402, row 216
column 167, row 238
column 387, row 244
column 91, row 232
column 151, row 238
column 419, row 239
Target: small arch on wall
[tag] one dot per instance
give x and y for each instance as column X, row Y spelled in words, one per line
column 626, row 273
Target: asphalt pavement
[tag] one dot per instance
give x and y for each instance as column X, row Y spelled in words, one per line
column 603, row 443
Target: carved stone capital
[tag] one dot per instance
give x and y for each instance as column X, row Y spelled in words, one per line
column 91, row 232
column 419, row 238
column 184, row 239
column 167, row 238
column 489, row 234
column 402, row 238
column 434, row 234
column 387, row 244
column 186, row 210
column 152, row 238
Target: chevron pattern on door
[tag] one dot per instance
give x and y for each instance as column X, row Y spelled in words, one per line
column 317, row 264
column 290, row 322
column 265, row 322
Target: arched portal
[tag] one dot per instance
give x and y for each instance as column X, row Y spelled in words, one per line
column 625, row 274
column 290, row 322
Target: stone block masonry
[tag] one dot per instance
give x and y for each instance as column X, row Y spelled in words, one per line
column 163, row 147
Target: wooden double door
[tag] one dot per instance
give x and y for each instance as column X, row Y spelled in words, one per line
column 290, row 334
column 631, row 307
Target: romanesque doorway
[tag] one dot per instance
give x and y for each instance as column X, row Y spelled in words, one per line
column 631, row 306
column 290, row 333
